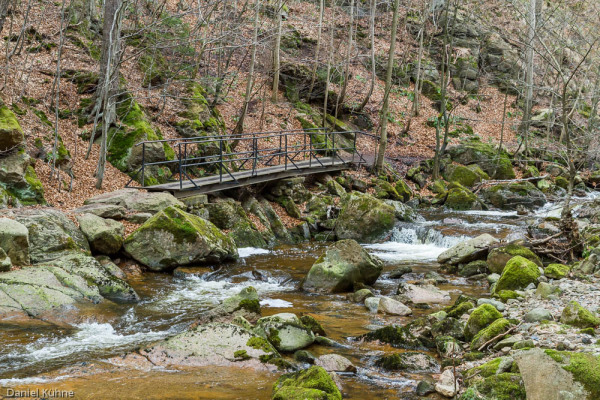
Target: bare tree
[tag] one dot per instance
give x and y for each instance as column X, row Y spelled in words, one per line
column 373, row 7
column 276, row 50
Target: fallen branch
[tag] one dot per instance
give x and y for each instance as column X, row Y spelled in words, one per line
column 492, row 340
column 494, row 182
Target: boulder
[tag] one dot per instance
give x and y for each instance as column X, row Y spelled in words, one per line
column 415, row 335
column 344, row 264
column 499, row 256
column 474, row 151
column 576, row 315
column 103, row 210
column 465, row 176
column 469, row 250
column 216, row 344
column 11, row 134
column 485, row 335
column 447, row 385
column 229, row 215
column 538, row 315
column 372, row 303
column 550, row 374
column 461, row 198
column 14, row 240
column 335, row 363
column 364, row 218
column 173, row 237
column 393, row 307
column 5, row 263
column 13, row 168
column 312, row 383
column 409, row 361
column 417, row 294
column 480, row 318
column 105, row 236
column 244, row 304
column 518, row 273
column 134, row 200
column 448, row 327
column 285, row 331
column 509, row 196
column 556, row 271
column 51, row 233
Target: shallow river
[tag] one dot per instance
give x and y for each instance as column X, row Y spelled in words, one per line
column 73, row 359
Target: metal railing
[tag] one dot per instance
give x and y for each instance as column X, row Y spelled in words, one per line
column 196, row 157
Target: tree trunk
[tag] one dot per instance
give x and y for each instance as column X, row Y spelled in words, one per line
column 5, row 5
column 239, row 127
column 106, row 94
column 317, row 49
column 373, row 71
column 276, row 59
column 531, row 30
column 388, row 85
column 342, row 95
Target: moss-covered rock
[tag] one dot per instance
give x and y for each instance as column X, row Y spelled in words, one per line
column 408, row 362
column 344, row 265
column 504, row 386
column 11, row 134
column 518, row 273
column 584, row 367
column 415, row 335
column 496, row 328
column 364, row 218
column 557, row 271
column 472, row 151
column 285, row 331
column 313, row 383
column 480, row 318
column 230, row 215
column 576, row 315
column 505, row 295
column 403, row 190
column 498, row 257
column 173, row 237
column 508, row 196
column 466, row 176
column 460, row 198
column 105, row 236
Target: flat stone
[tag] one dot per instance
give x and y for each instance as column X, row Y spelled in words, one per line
column 538, row 315
column 393, row 307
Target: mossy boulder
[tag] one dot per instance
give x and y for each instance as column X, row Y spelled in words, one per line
column 480, row 318
column 504, row 386
column 403, row 190
column 505, row 295
column 518, row 273
column 11, row 134
column 344, row 265
column 557, row 271
column 285, row 331
column 173, row 238
column 230, row 215
column 465, row 175
column 461, row 198
column 584, row 369
column 576, row 315
column 105, row 236
column 409, row 361
column 313, row 383
column 415, row 335
column 19, row 183
column 364, row 218
column 498, row 257
column 496, row 328
column 496, row 164
column 508, row 196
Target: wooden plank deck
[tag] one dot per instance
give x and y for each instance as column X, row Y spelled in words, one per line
column 213, row 183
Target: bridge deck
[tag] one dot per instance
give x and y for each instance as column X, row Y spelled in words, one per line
column 216, row 183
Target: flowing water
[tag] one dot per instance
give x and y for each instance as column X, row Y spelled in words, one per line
column 74, row 359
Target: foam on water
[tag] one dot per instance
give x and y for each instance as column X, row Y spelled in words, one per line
column 275, row 303
column 251, row 251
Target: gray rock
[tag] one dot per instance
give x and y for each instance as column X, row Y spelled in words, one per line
column 399, row 272
column 137, row 201
column 105, row 236
column 344, row 264
column 285, row 331
column 538, row 315
column 335, row 362
column 544, row 290
column 422, row 293
column 498, row 304
column 447, row 385
column 409, row 361
column 14, row 240
column 364, row 218
column 103, row 210
column 425, row 387
column 5, row 264
column 360, row 295
column 393, row 307
column 372, row 303
column 140, row 218
column 467, row 251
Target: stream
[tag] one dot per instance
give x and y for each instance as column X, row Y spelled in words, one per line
column 75, row 359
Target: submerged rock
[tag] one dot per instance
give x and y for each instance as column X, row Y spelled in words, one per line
column 469, row 250
column 344, row 264
column 364, row 218
column 312, row 383
column 173, row 237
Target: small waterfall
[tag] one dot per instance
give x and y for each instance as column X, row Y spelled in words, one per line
column 424, row 235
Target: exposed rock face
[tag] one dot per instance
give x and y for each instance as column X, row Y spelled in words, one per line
column 47, row 292
column 498, row 257
column 103, row 210
column 134, row 200
column 344, row 264
column 11, row 134
column 364, row 218
column 105, row 236
column 219, row 344
column 173, row 237
column 285, row 331
column 14, row 240
column 312, row 383
column 51, row 234
column 508, row 196
column 470, row 250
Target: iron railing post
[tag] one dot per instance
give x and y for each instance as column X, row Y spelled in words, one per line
column 180, row 173
column 286, row 152
column 220, row 161
column 143, row 163
column 333, row 144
